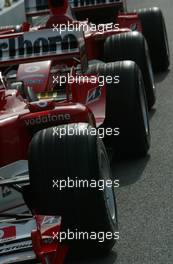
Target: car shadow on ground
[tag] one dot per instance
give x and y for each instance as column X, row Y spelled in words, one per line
column 109, row 259
column 129, row 171
column 161, row 76
column 152, row 112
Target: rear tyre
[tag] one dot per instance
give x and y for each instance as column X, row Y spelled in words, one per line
column 126, row 108
column 79, row 157
column 154, row 30
column 132, row 46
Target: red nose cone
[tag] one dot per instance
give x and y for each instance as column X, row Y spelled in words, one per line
column 58, row 7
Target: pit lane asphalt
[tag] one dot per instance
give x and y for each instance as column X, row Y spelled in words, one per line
column 145, row 198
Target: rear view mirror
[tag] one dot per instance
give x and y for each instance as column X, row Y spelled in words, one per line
column 18, row 86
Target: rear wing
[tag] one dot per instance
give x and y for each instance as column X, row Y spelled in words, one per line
column 40, row 45
column 78, row 3
column 38, row 12
column 44, row 6
column 98, row 12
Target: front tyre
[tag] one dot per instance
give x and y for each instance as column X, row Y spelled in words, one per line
column 81, row 157
column 126, row 108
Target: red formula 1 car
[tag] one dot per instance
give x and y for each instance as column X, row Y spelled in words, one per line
column 57, row 125
column 105, row 42
column 108, row 43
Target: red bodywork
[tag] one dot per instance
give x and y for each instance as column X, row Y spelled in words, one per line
column 19, row 120
column 51, row 251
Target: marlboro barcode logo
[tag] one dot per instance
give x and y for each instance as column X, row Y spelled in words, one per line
column 40, row 43
column 7, row 233
column 83, row 3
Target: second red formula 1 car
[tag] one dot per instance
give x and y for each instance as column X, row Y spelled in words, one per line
column 111, row 46
column 111, row 42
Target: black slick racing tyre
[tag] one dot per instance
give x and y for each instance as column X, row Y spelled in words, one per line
column 154, row 31
column 132, row 46
column 81, row 157
column 126, row 108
